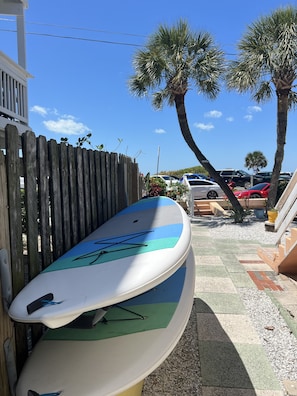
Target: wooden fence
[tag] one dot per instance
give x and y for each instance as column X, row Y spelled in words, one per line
column 51, row 196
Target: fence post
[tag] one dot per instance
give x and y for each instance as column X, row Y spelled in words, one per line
column 6, row 326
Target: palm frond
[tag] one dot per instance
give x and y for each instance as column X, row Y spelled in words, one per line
column 173, row 59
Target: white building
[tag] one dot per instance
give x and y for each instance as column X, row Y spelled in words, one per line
column 13, row 76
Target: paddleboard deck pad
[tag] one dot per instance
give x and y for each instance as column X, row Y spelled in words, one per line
column 134, row 338
column 134, row 251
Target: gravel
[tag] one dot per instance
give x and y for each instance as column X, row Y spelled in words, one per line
column 225, row 228
column 278, row 341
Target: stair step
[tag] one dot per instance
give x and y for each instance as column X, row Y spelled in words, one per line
column 270, row 256
column 202, row 208
column 290, row 240
column 282, row 251
column 203, row 212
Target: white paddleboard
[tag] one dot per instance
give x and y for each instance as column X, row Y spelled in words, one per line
column 132, row 252
column 114, row 355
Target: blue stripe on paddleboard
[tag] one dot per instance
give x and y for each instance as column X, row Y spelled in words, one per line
column 167, row 291
column 117, row 252
column 114, row 248
column 116, row 242
column 147, row 203
column 141, row 236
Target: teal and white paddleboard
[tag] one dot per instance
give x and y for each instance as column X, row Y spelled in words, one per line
column 134, row 251
column 133, row 339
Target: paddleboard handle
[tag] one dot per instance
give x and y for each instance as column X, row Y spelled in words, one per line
column 47, row 299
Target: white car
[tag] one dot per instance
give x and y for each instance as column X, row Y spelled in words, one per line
column 169, row 180
column 204, row 189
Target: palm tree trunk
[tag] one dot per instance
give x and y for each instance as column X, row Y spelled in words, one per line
column 282, row 120
column 185, row 130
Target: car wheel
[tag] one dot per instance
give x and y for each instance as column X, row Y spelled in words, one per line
column 212, row 195
column 255, row 195
column 247, row 185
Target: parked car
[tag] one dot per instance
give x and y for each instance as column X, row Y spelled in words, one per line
column 194, row 176
column 289, row 174
column 174, row 177
column 266, row 176
column 260, row 190
column 204, row 189
column 239, row 177
column 169, row 180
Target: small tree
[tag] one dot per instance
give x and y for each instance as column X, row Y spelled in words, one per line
column 256, row 161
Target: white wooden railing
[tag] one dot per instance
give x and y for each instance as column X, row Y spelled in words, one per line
column 287, row 207
column 13, row 93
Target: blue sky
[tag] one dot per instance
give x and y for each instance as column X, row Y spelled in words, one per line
column 80, row 56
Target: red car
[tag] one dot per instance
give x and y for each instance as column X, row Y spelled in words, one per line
column 260, row 190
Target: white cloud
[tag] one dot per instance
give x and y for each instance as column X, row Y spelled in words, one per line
column 42, row 111
column 213, row 114
column 248, row 117
column 66, row 125
column 204, row 127
column 254, row 109
column 160, row 131
column 230, row 119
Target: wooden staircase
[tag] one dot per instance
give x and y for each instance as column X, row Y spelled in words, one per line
column 283, row 258
column 202, row 208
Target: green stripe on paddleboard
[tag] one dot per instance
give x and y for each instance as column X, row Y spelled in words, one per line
column 113, row 253
column 120, row 323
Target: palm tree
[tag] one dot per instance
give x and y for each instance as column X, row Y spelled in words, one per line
column 267, row 64
column 255, row 160
column 173, row 59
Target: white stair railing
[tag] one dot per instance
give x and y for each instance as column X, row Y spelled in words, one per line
column 287, row 207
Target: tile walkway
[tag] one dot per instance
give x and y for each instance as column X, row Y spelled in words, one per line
column 233, row 362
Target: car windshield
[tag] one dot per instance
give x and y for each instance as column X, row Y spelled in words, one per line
column 243, row 173
column 259, row 186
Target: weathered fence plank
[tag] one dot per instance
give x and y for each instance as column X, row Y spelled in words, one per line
column 15, row 230
column 114, row 186
column 6, row 327
column 81, row 214
column 44, row 202
column 73, row 192
column 14, row 202
column 93, row 190
column 31, row 207
column 98, row 181
column 104, row 186
column 55, row 194
column 87, row 202
column 65, row 197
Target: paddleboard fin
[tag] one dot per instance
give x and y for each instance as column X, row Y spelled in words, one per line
column 39, row 303
column 99, row 315
column 88, row 321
